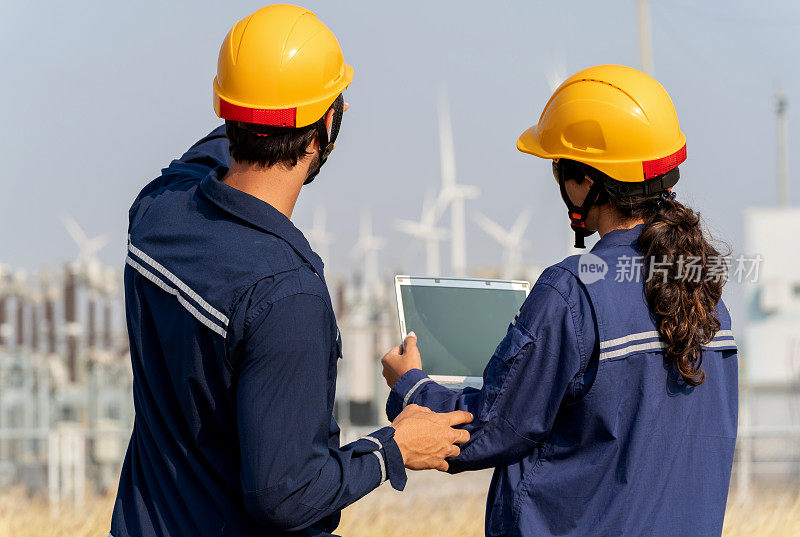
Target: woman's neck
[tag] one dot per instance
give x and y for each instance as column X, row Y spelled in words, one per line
column 608, row 220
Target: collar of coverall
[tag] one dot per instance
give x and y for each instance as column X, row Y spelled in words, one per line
column 260, row 214
column 619, row 237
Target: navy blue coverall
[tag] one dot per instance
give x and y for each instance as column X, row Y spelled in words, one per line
column 589, row 430
column 234, row 348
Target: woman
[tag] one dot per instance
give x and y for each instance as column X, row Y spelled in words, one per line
column 610, row 407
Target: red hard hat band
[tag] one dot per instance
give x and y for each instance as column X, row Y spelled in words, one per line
column 280, row 117
column 660, row 166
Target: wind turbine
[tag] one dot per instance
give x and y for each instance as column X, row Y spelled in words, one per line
column 85, row 270
column 87, row 248
column 453, row 195
column 368, row 246
column 511, row 240
column 427, row 231
column 320, row 238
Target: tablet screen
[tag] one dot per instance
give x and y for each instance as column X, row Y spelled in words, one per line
column 458, row 328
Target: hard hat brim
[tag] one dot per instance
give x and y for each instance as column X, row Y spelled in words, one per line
column 528, row 142
column 627, row 171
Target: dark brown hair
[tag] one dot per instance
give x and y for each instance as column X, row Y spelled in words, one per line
column 267, row 146
column 683, row 304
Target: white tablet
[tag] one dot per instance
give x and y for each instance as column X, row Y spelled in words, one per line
column 458, row 321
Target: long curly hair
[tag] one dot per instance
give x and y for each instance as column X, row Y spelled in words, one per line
column 684, row 276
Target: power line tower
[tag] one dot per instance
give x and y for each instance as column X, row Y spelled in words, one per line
column 645, row 48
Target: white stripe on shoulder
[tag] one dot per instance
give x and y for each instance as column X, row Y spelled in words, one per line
column 720, row 343
column 631, row 349
column 628, row 339
column 158, row 267
column 183, row 302
column 649, row 335
column 717, row 342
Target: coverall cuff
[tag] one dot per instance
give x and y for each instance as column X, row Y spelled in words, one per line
column 395, row 469
column 403, row 391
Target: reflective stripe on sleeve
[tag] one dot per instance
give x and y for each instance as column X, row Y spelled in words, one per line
column 382, row 464
column 414, row 388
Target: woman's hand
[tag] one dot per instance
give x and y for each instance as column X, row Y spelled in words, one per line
column 398, row 361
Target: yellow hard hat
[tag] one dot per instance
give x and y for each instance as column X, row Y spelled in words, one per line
column 280, row 66
column 613, row 118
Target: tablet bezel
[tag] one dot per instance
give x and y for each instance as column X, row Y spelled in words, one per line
column 454, row 381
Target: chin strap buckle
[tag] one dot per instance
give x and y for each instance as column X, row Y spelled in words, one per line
column 577, row 214
column 328, row 150
column 578, row 225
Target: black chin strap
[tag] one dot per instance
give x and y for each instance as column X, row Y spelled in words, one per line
column 577, row 213
column 326, row 145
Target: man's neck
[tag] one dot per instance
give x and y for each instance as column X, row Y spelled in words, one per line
column 276, row 185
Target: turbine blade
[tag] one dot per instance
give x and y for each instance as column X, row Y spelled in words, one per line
column 492, row 228
column 447, row 151
column 518, row 229
column 429, row 206
column 75, row 231
column 92, row 246
column 556, row 74
column 408, row 227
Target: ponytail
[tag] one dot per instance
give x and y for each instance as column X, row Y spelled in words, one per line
column 684, row 307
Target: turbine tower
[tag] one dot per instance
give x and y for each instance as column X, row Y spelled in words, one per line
column 86, row 270
column 368, row 246
column 5, row 291
column 453, row 195
column 318, row 235
column 511, row 240
column 427, row 231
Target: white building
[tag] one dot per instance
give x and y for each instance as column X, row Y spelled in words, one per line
column 770, row 352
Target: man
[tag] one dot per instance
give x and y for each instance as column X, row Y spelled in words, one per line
column 233, row 339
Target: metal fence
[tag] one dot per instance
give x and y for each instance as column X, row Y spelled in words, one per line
column 67, row 440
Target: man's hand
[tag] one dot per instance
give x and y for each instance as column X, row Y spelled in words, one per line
column 425, row 437
column 398, row 361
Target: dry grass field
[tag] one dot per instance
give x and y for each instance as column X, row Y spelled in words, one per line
column 432, row 505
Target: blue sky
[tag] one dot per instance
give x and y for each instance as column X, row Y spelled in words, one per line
column 98, row 96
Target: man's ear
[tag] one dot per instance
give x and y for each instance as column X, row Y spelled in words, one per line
column 329, row 120
column 328, row 123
